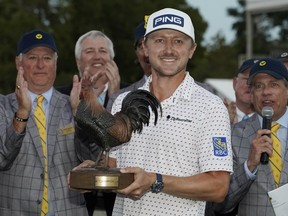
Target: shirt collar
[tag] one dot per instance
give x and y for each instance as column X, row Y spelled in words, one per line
column 241, row 114
column 283, row 121
column 184, row 90
column 47, row 95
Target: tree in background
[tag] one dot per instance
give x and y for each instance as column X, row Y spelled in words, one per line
column 221, row 60
column 118, row 19
column 14, row 20
column 66, row 20
column 265, row 43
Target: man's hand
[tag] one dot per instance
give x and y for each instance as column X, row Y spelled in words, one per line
column 141, row 185
column 85, row 164
column 22, row 95
column 260, row 144
column 75, row 94
column 91, row 87
column 113, row 77
column 24, row 101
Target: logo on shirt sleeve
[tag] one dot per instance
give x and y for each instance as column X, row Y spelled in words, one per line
column 220, row 146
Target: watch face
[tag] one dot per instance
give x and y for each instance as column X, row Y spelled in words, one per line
column 157, row 187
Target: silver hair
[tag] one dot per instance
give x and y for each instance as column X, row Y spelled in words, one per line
column 93, row 34
column 20, row 56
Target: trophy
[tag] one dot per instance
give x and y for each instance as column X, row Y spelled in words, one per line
column 108, row 131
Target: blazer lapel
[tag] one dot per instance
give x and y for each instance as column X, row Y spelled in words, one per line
column 284, row 172
column 56, row 107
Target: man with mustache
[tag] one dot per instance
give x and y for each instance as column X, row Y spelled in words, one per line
column 185, row 159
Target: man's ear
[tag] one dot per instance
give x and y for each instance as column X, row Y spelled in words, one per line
column 193, row 48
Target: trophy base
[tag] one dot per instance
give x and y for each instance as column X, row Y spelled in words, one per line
column 100, row 178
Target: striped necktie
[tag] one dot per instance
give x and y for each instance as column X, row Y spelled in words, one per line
column 276, row 159
column 40, row 119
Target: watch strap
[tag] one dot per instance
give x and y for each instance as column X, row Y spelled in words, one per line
column 159, row 177
column 158, row 185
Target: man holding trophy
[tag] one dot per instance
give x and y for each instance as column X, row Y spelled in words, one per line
column 181, row 155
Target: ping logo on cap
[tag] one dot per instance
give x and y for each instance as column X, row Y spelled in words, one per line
column 168, row 19
column 38, row 36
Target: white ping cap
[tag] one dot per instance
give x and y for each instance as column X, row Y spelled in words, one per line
column 169, row 18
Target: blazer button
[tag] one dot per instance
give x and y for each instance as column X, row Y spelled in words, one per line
column 39, row 201
column 41, row 175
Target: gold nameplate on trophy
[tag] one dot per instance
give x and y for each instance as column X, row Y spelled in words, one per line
column 100, row 179
column 106, row 181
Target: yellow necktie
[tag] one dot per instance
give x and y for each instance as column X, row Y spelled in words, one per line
column 276, row 159
column 40, row 119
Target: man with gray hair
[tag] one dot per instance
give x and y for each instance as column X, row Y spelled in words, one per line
column 94, row 54
column 260, row 154
column 35, row 153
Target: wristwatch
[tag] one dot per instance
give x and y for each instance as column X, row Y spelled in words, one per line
column 158, row 185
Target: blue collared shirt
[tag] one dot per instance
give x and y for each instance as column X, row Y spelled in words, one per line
column 46, row 102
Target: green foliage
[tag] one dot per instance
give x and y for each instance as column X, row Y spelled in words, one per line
column 280, row 20
column 219, row 61
column 118, row 20
column 67, row 20
column 263, row 24
column 17, row 18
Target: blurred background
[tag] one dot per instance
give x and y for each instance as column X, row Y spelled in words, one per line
column 256, row 31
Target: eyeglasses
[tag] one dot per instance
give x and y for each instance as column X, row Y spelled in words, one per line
column 274, row 85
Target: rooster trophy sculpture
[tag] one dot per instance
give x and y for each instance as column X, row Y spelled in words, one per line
column 108, row 130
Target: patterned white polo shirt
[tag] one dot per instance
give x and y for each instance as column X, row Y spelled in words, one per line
column 191, row 137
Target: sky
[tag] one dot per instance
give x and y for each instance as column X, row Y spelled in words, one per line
column 214, row 12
